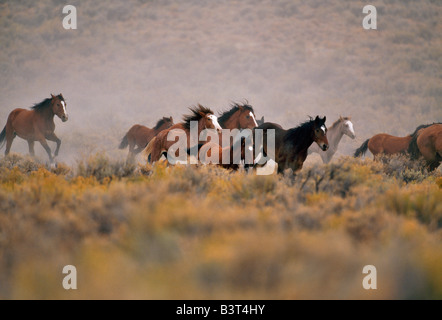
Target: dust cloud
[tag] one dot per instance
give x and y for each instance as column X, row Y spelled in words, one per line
column 136, row 61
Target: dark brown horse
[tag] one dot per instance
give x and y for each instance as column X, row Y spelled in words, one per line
column 160, row 144
column 139, row 136
column 383, row 143
column 426, row 142
column 36, row 124
column 291, row 145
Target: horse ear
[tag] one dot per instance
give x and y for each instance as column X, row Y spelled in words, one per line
column 317, row 119
column 171, row 119
column 324, row 119
column 262, row 119
column 52, row 95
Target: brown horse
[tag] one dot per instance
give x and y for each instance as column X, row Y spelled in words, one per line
column 427, row 142
column 212, row 153
column 291, row 145
column 160, row 144
column 238, row 117
column 383, row 143
column 35, row 125
column 139, row 136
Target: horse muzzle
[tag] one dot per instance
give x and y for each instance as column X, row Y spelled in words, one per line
column 64, row 118
column 324, row 147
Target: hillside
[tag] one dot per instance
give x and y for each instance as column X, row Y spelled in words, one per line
column 136, row 61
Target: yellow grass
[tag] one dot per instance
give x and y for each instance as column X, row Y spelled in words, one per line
column 206, row 233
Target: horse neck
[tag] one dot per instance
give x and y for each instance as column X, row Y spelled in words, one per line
column 161, row 128
column 47, row 114
column 201, row 125
column 231, row 123
column 335, row 135
column 306, row 142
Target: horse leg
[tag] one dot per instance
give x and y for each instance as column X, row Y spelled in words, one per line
column 9, row 138
column 46, row 147
column 156, row 152
column 54, row 138
column 31, row 148
column 131, row 154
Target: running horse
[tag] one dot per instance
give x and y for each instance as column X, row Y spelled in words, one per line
column 427, row 142
column 384, row 143
column 291, row 145
column 139, row 136
column 240, row 116
column 213, row 153
column 160, row 144
column 342, row 126
column 36, row 124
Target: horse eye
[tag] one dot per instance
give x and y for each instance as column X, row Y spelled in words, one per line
column 247, row 117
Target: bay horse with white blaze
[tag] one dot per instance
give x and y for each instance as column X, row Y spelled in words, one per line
column 160, row 144
column 240, row 116
column 139, row 136
column 36, row 124
column 342, row 126
column 291, row 145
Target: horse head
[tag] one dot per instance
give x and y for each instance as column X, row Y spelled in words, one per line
column 168, row 121
column 210, row 121
column 347, row 127
column 320, row 133
column 246, row 117
column 58, row 105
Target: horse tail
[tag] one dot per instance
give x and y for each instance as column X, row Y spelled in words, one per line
column 124, row 143
column 362, row 149
column 3, row 137
column 148, row 150
column 413, row 149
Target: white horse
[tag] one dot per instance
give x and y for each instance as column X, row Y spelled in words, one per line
column 334, row 135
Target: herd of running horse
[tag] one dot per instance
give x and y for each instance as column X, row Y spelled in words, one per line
column 291, row 146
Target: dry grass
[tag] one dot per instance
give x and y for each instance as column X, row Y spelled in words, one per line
column 206, row 233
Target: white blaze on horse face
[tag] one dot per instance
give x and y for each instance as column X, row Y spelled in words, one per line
column 323, row 128
column 64, row 107
column 349, row 125
column 214, row 120
column 253, row 117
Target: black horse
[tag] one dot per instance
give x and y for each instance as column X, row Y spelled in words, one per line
column 291, row 145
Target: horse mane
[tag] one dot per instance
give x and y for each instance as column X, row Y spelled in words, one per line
column 297, row 135
column 195, row 115
column 160, row 123
column 337, row 122
column 413, row 149
column 234, row 108
column 45, row 103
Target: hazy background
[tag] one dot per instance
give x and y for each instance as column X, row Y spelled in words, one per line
column 135, row 61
